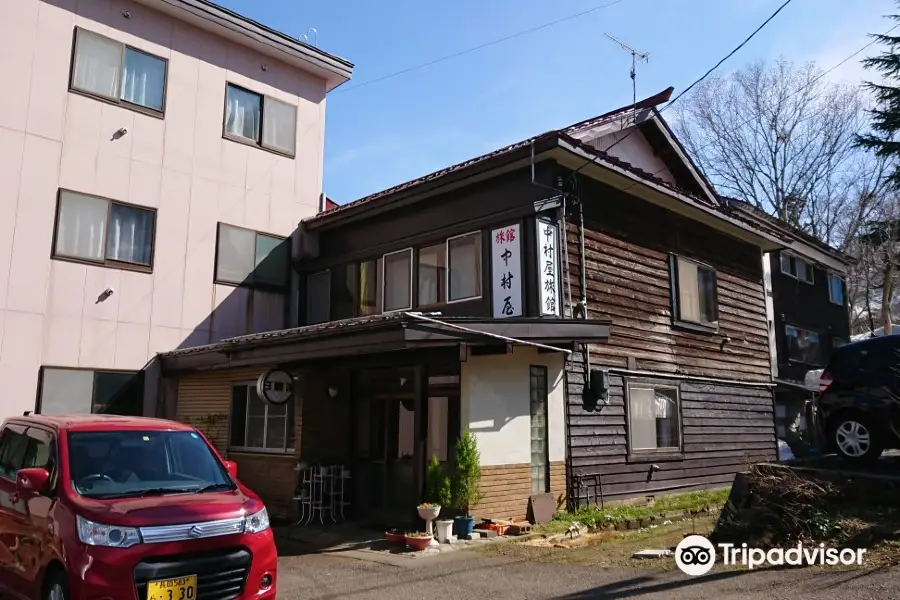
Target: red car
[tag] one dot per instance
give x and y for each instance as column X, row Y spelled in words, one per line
column 99, row 507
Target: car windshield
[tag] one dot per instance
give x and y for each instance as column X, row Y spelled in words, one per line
column 121, row 464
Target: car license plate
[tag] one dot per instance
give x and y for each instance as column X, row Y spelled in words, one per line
column 182, row 588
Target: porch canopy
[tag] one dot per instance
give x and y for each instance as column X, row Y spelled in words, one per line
column 383, row 333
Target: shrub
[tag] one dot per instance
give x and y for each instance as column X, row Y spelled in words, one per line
column 466, row 482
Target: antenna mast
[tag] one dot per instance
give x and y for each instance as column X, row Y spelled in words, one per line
column 636, row 55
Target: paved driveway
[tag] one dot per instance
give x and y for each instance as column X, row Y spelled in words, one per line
column 470, row 575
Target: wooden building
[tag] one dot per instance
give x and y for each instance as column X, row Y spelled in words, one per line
column 809, row 317
column 582, row 301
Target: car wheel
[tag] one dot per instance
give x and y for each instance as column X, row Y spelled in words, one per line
column 854, row 438
column 57, row 587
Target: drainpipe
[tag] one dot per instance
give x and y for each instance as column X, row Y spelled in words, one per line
column 583, row 302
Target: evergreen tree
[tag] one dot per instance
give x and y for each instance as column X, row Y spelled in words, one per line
column 886, row 115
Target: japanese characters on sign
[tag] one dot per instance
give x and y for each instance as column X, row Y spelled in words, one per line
column 506, row 272
column 548, row 267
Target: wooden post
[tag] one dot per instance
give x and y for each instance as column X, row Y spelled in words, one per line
column 420, row 431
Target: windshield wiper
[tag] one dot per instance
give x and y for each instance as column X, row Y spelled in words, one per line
column 215, row 487
column 146, row 492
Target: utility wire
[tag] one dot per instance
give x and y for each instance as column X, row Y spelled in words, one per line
column 476, row 48
column 690, row 87
column 791, row 95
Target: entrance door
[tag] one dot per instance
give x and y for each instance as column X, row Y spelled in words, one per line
column 385, row 459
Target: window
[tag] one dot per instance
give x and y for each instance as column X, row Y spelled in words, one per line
column 113, row 71
column 397, row 290
column 803, row 346
column 464, row 268
column 837, row 342
column 260, row 120
column 25, row 449
column 81, row 391
column 540, row 457
column 836, row 289
column 797, row 268
column 696, row 298
column 318, row 297
column 258, row 425
column 143, row 462
column 246, row 257
column 432, row 275
column 653, row 418
column 369, row 282
column 103, row 231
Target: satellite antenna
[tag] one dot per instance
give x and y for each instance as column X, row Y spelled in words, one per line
column 636, row 55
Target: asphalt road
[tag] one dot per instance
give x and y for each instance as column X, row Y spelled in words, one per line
column 465, row 575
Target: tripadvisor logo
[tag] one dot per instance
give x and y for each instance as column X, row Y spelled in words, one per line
column 695, row 555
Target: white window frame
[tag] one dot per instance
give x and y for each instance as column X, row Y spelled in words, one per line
column 797, row 259
column 306, row 299
column 832, row 276
column 412, row 257
column 253, row 449
column 448, row 266
column 630, row 385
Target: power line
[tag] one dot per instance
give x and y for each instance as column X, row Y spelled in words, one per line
column 791, row 95
column 476, row 48
column 688, row 88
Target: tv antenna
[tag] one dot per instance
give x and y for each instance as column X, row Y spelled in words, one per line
column 315, row 34
column 636, row 55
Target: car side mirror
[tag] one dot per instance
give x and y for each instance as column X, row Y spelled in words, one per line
column 31, row 481
column 232, row 468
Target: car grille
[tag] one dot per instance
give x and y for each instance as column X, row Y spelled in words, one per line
column 221, row 575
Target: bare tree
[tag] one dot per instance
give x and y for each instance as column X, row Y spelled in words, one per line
column 782, row 137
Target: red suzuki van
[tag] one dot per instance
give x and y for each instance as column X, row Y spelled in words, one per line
column 99, row 507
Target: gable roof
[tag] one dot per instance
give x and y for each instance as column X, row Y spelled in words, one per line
column 694, row 193
column 703, row 187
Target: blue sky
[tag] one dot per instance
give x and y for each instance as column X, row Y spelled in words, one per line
column 388, row 132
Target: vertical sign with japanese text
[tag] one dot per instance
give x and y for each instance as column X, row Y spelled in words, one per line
column 506, row 272
column 548, row 267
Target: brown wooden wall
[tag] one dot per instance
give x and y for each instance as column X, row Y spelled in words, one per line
column 505, row 490
column 627, row 246
column 724, row 427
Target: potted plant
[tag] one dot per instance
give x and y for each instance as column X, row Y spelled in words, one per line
column 466, row 481
column 395, row 537
column 437, row 486
column 418, row 540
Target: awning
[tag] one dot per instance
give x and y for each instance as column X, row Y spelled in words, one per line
column 379, row 334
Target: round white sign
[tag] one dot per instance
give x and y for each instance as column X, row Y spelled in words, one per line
column 275, row 386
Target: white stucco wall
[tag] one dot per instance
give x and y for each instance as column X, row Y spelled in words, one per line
column 495, row 404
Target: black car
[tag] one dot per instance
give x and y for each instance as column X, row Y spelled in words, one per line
column 859, row 399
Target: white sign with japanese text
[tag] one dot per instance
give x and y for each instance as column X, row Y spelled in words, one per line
column 548, row 267
column 506, row 272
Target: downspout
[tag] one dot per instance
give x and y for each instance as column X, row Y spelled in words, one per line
column 583, row 302
column 570, row 472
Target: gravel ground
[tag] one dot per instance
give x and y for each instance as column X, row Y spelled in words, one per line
column 472, row 575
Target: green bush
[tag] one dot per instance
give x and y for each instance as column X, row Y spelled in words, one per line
column 437, row 483
column 466, row 481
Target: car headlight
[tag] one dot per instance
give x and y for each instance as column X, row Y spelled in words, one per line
column 113, row 536
column 257, row 522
